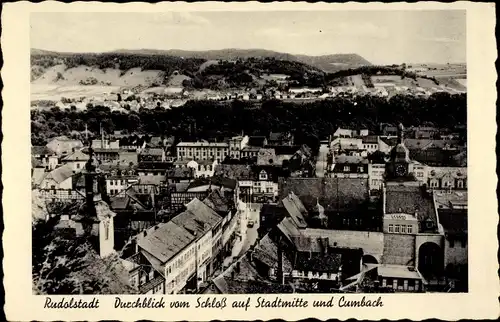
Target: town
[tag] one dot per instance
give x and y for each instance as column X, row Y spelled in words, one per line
column 361, row 210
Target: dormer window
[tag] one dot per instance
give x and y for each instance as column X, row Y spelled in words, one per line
column 263, row 175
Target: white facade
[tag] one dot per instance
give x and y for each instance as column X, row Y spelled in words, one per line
column 202, row 150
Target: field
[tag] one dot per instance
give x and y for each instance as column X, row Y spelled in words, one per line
column 61, row 76
column 394, row 79
column 55, row 92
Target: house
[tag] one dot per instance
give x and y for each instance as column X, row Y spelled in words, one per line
column 59, row 178
column 348, row 133
column 202, row 150
column 349, row 167
column 446, row 178
column 152, row 155
column 176, row 175
column 387, row 278
column 203, row 168
column 370, row 143
column 345, row 201
column 62, row 145
column 76, row 159
column 44, row 157
column 452, row 212
column 105, row 144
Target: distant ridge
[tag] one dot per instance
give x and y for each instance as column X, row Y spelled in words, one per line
column 327, row 63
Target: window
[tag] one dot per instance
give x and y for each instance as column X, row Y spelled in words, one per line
column 460, row 184
column 384, row 282
column 346, row 168
column 391, row 228
column 396, row 228
column 409, row 229
column 78, row 165
column 403, row 229
column 360, row 169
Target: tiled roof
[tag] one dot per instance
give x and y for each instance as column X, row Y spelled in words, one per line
column 410, row 200
column 454, row 172
column 266, row 251
column 369, row 139
column 371, row 242
column 180, row 173
column 397, row 271
column 198, row 218
column 216, row 181
column 156, row 180
column 165, row 240
column 61, row 173
column 350, row 159
column 295, row 209
column 37, row 175
column 335, row 194
column 76, row 156
column 152, row 151
column 203, row 144
column 217, row 201
column 288, row 228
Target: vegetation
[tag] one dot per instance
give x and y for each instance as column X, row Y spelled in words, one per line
column 63, row 264
column 215, row 120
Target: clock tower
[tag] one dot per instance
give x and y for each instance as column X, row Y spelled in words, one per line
column 399, row 162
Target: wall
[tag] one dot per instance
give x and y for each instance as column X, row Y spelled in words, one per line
column 398, row 249
column 179, row 268
column 372, row 243
column 106, row 237
column 401, row 220
column 423, row 238
column 458, row 254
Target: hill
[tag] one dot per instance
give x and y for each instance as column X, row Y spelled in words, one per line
column 334, row 63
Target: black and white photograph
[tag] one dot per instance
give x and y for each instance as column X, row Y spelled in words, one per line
column 249, row 152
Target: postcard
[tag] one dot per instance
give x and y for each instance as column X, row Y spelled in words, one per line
column 245, row 161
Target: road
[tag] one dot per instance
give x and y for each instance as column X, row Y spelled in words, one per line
column 321, row 161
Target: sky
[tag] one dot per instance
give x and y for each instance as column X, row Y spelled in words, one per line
column 381, row 37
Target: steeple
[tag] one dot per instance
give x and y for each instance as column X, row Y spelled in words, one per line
column 400, row 133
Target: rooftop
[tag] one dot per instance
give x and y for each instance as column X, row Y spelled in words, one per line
column 411, row 200
column 334, row 194
column 203, row 144
column 165, row 240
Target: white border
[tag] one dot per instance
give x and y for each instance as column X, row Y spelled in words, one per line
column 480, row 302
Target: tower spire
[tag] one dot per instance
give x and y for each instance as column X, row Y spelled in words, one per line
column 400, row 133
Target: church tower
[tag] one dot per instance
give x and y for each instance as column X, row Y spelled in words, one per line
column 399, row 162
column 95, row 220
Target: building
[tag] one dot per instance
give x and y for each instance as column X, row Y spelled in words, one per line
column 202, row 150
column 446, row 178
column 45, row 157
column 349, row 167
column 452, row 211
column 76, row 159
column 236, row 144
column 59, row 178
column 181, row 249
column 152, row 155
column 62, row 145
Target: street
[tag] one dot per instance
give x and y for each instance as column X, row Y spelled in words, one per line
column 321, row 161
column 240, row 247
